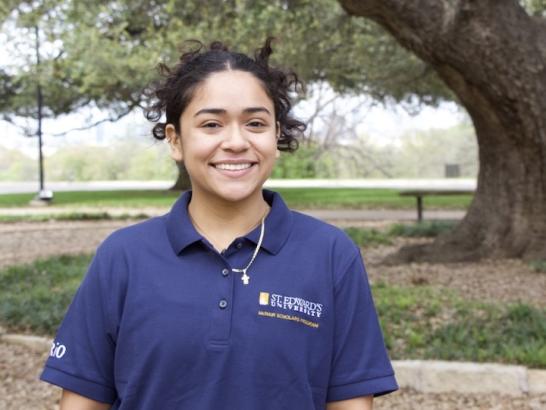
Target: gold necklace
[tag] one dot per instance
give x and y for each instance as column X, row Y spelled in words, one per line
column 245, row 278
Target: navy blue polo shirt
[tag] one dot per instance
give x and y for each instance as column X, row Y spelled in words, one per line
column 161, row 322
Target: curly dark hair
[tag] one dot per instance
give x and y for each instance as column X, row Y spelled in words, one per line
column 173, row 94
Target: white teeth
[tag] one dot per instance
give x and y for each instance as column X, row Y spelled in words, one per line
column 233, row 167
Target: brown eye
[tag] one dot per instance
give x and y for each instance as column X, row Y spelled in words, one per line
column 211, row 125
column 256, row 124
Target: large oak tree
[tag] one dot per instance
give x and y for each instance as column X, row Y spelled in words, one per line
column 492, row 55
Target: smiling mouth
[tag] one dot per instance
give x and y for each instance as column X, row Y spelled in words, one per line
column 233, row 167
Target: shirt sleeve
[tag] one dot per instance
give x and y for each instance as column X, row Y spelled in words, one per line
column 82, row 355
column 360, row 366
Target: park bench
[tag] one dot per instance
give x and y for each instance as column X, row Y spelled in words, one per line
column 419, row 194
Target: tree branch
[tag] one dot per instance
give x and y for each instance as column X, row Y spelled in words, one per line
column 89, row 126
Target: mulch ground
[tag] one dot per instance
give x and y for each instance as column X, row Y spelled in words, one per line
column 490, row 280
column 27, row 241
column 503, row 280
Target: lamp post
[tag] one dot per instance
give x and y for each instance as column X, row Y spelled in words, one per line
column 44, row 196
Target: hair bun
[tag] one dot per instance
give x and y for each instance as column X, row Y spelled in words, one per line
column 218, row 46
column 262, row 54
column 158, row 131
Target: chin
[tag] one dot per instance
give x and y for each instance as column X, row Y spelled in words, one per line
column 238, row 195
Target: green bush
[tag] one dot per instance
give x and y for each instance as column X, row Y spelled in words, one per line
column 422, row 229
column 512, row 335
column 72, row 216
column 367, row 237
column 34, row 297
column 538, row 265
column 428, row 323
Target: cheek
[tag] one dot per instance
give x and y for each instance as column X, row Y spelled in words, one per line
column 198, row 145
column 269, row 151
column 267, row 145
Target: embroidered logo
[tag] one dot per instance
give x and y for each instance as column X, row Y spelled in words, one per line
column 57, row 350
column 264, row 298
column 291, row 303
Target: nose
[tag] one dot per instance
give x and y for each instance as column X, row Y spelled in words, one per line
column 235, row 139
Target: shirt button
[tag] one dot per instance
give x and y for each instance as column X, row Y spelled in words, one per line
column 225, row 272
column 239, row 245
column 222, row 304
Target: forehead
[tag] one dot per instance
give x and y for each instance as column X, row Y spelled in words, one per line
column 232, row 90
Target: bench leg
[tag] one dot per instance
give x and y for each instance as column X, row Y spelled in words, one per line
column 419, row 208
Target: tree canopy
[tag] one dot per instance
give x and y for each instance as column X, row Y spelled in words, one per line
column 102, row 54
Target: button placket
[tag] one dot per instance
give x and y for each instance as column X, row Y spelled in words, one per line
column 220, row 326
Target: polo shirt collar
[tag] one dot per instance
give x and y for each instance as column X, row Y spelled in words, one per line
column 180, row 230
column 278, row 224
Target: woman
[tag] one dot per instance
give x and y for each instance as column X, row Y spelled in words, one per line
column 230, row 300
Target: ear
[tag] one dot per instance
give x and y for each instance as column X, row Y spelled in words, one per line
column 175, row 143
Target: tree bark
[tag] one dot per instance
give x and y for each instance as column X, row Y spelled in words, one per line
column 492, row 54
column 183, row 180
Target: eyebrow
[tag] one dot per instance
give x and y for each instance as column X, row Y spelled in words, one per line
column 221, row 111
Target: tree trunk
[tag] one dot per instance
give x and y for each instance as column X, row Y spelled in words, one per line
column 183, row 180
column 492, row 54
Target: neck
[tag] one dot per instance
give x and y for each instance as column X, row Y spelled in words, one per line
column 222, row 222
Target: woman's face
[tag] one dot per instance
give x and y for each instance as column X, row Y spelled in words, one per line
column 228, row 137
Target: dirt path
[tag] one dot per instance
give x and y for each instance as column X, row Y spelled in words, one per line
column 27, row 241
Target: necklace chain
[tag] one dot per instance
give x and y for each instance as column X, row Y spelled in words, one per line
column 245, row 278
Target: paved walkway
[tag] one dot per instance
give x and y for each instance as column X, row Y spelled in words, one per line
column 444, row 183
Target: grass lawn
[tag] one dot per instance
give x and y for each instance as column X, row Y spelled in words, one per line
column 418, row 322
column 298, row 198
column 130, row 199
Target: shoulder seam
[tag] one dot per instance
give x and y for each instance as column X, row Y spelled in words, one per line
column 346, row 267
